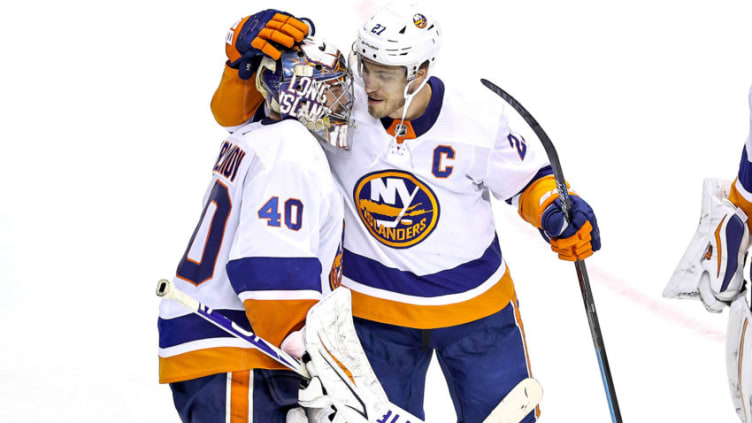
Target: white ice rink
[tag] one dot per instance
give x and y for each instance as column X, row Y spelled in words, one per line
column 107, row 143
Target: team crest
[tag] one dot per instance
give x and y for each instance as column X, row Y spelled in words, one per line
column 419, row 20
column 335, row 274
column 398, row 209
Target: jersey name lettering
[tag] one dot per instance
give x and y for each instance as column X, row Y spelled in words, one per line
column 229, row 159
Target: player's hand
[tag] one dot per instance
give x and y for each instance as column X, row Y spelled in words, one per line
column 575, row 240
column 294, row 343
column 263, row 34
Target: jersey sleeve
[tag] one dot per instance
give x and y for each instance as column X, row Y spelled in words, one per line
column 236, row 101
column 273, row 264
column 741, row 189
column 519, row 173
column 512, row 163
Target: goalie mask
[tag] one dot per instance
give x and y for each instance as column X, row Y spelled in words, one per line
column 313, row 85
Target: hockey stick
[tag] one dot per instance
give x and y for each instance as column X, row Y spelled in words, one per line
column 587, row 295
column 167, row 289
column 524, row 396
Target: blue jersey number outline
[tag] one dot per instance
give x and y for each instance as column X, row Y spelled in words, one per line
column 293, row 219
column 203, row 270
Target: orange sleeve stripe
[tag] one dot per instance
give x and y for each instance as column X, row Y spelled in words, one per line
column 210, row 361
column 530, row 207
column 235, row 100
column 273, row 320
column 434, row 316
column 739, row 201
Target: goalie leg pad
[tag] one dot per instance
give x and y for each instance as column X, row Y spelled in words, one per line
column 341, row 374
column 712, row 265
column 739, row 358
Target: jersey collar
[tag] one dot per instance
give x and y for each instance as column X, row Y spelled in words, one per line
column 417, row 127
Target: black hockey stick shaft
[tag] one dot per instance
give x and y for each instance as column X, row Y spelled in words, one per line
column 582, row 275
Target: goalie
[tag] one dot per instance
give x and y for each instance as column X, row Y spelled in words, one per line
column 711, row 270
column 267, row 246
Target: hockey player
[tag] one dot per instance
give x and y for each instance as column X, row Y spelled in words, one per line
column 711, row 270
column 421, row 255
column 269, row 233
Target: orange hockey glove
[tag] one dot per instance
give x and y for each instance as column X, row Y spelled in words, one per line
column 575, row 240
column 263, row 34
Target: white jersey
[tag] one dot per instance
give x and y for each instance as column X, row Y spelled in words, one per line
column 420, row 246
column 267, row 240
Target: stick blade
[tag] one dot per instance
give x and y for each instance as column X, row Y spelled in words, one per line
column 518, row 403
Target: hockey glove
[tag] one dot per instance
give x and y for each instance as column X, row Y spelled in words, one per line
column 575, row 240
column 263, row 34
column 712, row 265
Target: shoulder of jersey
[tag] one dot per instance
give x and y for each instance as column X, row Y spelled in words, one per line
column 469, row 117
column 286, row 134
column 284, row 140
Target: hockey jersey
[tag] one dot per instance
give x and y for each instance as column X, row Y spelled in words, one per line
column 741, row 189
column 420, row 246
column 265, row 248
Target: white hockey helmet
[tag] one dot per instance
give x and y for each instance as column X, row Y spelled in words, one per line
column 400, row 34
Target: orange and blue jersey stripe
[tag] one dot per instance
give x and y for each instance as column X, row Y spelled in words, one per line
column 462, row 278
column 277, row 293
column 468, row 292
column 190, row 347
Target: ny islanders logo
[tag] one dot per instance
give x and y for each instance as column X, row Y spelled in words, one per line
column 420, row 20
column 397, row 208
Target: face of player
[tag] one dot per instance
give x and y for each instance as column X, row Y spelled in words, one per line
column 331, row 125
column 385, row 87
column 335, row 95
